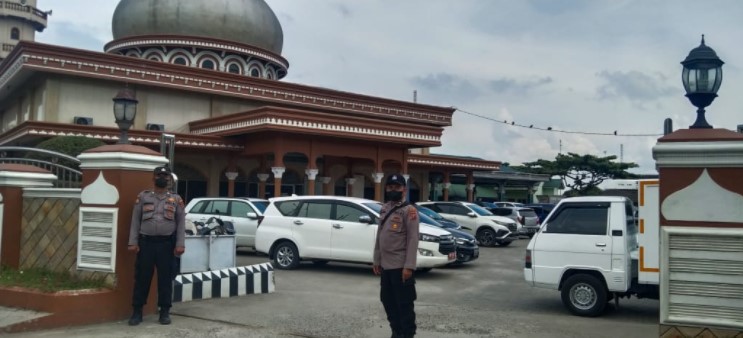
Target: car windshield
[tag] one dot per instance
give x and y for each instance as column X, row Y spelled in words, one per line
column 479, row 210
column 260, row 205
column 429, row 213
column 376, row 207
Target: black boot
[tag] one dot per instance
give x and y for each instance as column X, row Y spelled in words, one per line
column 164, row 316
column 136, row 317
column 396, row 334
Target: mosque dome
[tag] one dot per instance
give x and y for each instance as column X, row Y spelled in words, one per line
column 242, row 37
column 250, row 22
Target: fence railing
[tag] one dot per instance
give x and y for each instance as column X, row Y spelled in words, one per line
column 68, row 175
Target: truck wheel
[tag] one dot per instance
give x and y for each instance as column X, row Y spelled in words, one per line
column 584, row 295
column 486, row 237
column 286, row 256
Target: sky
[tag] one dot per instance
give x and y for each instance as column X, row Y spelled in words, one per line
column 594, row 66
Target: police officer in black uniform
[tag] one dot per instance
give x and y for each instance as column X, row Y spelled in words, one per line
column 157, row 235
column 395, row 254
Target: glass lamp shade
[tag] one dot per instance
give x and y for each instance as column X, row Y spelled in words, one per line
column 702, row 80
column 125, row 106
column 702, row 71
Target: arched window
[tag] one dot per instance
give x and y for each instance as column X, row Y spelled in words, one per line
column 15, row 33
column 255, row 72
column 269, row 74
column 180, row 61
column 208, row 64
column 234, row 68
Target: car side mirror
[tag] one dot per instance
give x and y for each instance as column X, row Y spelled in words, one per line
column 365, row 219
column 252, row 215
column 472, row 214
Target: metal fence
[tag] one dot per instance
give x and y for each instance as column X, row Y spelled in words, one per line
column 68, row 175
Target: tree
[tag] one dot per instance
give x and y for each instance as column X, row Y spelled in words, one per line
column 581, row 173
column 68, row 145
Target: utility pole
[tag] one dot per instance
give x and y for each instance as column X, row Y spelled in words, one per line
column 621, row 152
column 415, row 96
column 560, row 147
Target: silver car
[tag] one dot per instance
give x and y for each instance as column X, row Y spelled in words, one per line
column 525, row 216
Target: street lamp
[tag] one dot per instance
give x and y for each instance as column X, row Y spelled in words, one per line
column 125, row 109
column 702, row 77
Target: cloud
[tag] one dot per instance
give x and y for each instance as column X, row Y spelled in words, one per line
column 447, row 86
column 508, row 85
column 344, row 10
column 635, row 86
column 70, row 34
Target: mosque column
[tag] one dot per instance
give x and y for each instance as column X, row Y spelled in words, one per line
column 378, row 194
column 262, row 178
column 470, row 187
column 447, row 185
column 278, row 172
column 231, row 176
column 311, row 175
column 349, row 186
column 326, row 186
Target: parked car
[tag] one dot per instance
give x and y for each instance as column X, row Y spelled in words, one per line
column 334, row 228
column 541, row 209
column 244, row 213
column 489, row 229
column 467, row 249
column 526, row 217
column 449, row 224
column 507, row 204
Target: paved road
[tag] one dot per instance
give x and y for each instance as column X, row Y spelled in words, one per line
column 486, row 298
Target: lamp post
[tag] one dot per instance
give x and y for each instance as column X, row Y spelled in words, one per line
column 125, row 109
column 702, row 77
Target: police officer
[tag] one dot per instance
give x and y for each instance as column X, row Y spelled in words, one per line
column 395, row 253
column 157, row 236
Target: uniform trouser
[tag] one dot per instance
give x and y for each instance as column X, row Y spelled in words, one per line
column 154, row 252
column 397, row 298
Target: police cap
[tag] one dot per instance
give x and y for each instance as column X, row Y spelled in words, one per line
column 395, row 179
column 162, row 170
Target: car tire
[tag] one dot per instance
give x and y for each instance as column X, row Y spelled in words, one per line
column 584, row 295
column 286, row 256
column 486, row 237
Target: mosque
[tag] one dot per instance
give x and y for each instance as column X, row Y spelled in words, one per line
column 209, row 74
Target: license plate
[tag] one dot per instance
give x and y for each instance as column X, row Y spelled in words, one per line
column 452, row 255
column 476, row 254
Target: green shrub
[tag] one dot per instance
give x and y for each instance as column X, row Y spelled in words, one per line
column 68, row 145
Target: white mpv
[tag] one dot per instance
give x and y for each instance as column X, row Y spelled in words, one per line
column 333, row 228
column 487, row 228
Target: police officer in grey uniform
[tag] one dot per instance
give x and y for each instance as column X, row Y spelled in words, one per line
column 157, row 235
column 395, row 253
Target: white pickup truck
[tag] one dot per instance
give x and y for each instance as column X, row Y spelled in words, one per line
column 595, row 249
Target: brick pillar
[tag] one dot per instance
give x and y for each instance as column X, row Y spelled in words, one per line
column 378, row 193
column 447, row 185
column 231, row 176
column 113, row 176
column 349, row 186
column 13, row 178
column 311, row 176
column 262, row 178
column 701, row 231
column 326, row 187
column 278, row 172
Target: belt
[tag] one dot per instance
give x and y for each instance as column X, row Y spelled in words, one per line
column 149, row 238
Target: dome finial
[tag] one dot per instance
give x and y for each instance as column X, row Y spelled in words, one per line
column 702, row 39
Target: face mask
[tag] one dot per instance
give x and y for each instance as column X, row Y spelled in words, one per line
column 394, row 196
column 161, row 182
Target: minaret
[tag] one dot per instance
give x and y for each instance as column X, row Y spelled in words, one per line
column 19, row 20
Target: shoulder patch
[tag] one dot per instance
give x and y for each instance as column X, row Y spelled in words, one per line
column 413, row 213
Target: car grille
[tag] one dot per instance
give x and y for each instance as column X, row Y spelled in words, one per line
column 513, row 227
column 447, row 245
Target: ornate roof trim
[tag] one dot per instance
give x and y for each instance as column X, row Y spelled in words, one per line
column 143, row 137
column 451, row 162
column 84, row 63
column 315, row 122
column 194, row 41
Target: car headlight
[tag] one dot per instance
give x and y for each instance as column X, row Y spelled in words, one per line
column 505, row 224
column 428, row 238
column 461, row 241
column 425, row 252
